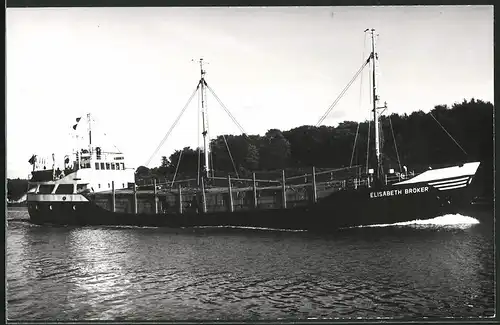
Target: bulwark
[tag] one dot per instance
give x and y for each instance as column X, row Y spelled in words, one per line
column 405, row 191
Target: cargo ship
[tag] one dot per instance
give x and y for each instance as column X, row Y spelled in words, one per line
column 98, row 187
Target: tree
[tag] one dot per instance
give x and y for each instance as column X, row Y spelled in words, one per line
column 188, row 161
column 142, row 171
column 251, row 160
column 274, row 150
column 419, row 138
column 164, row 161
column 16, row 188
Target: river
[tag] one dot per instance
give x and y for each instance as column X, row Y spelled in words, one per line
column 438, row 268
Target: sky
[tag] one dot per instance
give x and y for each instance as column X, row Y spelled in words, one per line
column 134, row 69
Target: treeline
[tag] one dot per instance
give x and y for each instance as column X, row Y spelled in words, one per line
column 16, row 188
column 419, row 139
column 462, row 132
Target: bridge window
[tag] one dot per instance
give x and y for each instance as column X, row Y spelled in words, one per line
column 118, row 166
column 113, row 166
column 45, row 189
column 107, row 166
column 102, row 165
column 109, row 185
column 97, row 166
column 64, row 189
column 98, row 185
column 123, row 165
column 81, row 187
column 85, row 163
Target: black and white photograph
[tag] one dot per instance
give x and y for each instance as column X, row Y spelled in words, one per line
column 277, row 163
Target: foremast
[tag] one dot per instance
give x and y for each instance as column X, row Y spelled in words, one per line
column 204, row 117
column 379, row 173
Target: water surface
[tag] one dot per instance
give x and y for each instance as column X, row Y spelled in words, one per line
column 442, row 268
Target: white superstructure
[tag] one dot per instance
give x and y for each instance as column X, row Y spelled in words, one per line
column 87, row 169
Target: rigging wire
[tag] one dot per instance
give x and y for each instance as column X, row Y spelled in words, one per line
column 225, row 109
column 177, row 167
column 198, row 136
column 368, row 148
column 230, row 156
column 173, row 126
column 379, row 87
column 368, row 138
column 342, row 93
column 209, row 144
column 430, row 113
column 211, row 156
column 235, row 122
column 395, row 145
column 210, row 152
column 360, row 102
column 98, row 123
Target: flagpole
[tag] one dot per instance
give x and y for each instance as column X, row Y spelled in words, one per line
column 77, row 145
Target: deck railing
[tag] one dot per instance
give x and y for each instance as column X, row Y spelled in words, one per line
column 232, row 194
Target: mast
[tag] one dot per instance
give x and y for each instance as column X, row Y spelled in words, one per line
column 90, row 133
column 374, row 58
column 204, row 116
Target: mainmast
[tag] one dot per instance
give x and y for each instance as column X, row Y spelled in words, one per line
column 374, row 57
column 204, row 117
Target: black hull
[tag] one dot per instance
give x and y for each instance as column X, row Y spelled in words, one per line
column 339, row 210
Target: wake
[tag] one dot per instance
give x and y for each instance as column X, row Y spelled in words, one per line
column 446, row 221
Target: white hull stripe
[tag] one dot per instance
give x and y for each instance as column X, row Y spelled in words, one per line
column 440, row 174
column 444, row 188
column 450, row 185
column 450, row 181
column 464, row 182
column 447, row 185
column 56, row 198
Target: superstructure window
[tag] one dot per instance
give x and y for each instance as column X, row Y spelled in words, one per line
column 85, row 163
column 46, row 189
column 64, row 189
column 81, row 187
column 97, row 166
column 123, row 165
column 118, row 166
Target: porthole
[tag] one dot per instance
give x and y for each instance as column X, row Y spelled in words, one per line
column 74, row 207
column 50, row 207
column 36, row 206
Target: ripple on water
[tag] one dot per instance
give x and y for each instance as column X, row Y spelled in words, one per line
column 149, row 274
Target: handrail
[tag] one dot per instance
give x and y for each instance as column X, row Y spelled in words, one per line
column 323, row 172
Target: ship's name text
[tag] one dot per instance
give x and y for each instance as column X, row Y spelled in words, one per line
column 405, row 191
